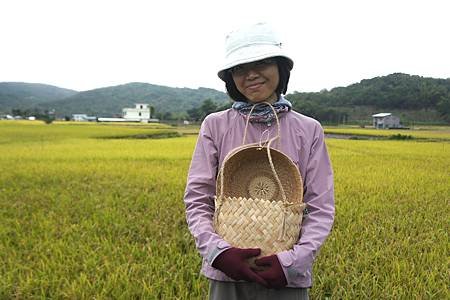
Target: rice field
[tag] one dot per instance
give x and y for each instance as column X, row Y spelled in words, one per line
column 88, row 213
column 439, row 134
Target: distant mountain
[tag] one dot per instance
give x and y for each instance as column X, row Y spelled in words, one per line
column 111, row 100
column 412, row 97
column 21, row 95
column 396, row 92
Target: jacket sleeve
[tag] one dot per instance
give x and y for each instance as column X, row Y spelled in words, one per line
column 319, row 199
column 199, row 196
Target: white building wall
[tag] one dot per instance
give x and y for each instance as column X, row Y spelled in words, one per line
column 140, row 112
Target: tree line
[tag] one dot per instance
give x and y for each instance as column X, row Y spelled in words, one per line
column 312, row 109
column 395, row 91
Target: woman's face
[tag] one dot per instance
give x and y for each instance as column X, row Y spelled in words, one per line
column 258, row 80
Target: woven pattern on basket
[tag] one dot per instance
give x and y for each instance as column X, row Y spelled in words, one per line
column 255, row 223
column 262, row 187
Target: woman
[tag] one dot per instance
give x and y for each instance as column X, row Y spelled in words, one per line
column 257, row 70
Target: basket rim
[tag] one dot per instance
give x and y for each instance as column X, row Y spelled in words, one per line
column 251, row 146
column 256, row 146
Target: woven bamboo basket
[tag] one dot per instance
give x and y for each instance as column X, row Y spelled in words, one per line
column 259, row 193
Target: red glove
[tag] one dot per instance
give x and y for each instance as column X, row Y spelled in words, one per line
column 272, row 272
column 233, row 262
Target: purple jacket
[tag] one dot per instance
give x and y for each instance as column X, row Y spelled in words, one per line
column 302, row 139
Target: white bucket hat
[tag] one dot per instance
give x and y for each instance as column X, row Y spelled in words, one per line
column 251, row 44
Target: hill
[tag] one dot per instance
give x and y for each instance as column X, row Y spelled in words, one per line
column 111, row 100
column 400, row 93
column 413, row 98
column 21, row 95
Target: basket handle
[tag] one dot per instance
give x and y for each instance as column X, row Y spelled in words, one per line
column 269, row 156
column 278, row 136
column 275, row 174
column 282, row 235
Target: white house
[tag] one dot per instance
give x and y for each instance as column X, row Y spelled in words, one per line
column 385, row 121
column 140, row 113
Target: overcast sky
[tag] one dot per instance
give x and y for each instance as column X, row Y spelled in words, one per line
column 83, row 45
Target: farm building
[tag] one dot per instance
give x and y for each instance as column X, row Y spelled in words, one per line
column 141, row 112
column 385, row 121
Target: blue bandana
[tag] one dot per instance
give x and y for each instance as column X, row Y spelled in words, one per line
column 262, row 113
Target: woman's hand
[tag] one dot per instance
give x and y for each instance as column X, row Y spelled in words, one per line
column 273, row 272
column 233, row 262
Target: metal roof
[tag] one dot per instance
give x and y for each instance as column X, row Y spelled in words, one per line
column 381, row 115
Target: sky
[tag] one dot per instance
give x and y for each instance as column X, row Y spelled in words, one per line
column 88, row 44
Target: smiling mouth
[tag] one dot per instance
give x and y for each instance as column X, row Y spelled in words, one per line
column 255, row 86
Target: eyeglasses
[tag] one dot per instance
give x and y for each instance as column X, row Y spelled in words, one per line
column 259, row 65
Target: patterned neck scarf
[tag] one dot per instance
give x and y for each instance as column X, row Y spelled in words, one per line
column 262, row 113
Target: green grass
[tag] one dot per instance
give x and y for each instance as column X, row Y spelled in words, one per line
column 85, row 217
